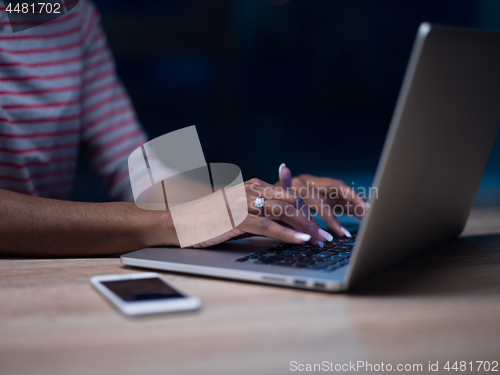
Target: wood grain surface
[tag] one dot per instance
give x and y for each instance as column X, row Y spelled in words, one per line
column 443, row 306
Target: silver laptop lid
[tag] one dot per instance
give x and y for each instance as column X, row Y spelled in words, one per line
column 440, row 138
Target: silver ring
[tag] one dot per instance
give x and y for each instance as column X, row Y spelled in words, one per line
column 259, row 203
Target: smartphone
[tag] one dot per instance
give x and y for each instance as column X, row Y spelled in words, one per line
column 143, row 293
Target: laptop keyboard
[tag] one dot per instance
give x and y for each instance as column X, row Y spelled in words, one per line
column 334, row 254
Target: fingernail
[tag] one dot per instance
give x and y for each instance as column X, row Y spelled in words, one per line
column 283, row 165
column 323, row 233
column 321, row 244
column 346, row 232
column 302, row 236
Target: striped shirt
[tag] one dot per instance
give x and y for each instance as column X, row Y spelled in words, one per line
column 58, row 93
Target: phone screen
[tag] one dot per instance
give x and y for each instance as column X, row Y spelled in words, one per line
column 142, row 289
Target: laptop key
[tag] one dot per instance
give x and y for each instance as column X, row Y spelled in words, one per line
column 343, row 247
column 300, row 264
column 323, row 264
column 339, row 241
column 333, row 267
column 323, row 256
column 291, row 252
column 302, row 247
column 285, row 265
column 332, row 252
column 273, row 258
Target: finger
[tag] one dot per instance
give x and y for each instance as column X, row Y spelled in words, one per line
column 346, row 200
column 265, row 227
column 269, row 192
column 338, row 192
column 342, row 206
column 258, row 181
column 287, row 213
column 325, row 210
column 285, row 177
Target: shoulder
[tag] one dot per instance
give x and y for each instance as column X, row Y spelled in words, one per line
column 87, row 11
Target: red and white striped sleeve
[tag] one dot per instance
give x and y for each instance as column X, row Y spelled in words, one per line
column 110, row 129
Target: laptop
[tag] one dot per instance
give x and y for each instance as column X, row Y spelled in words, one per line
column 442, row 131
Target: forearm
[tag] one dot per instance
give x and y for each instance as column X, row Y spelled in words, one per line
column 31, row 226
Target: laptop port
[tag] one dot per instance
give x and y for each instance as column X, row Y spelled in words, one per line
column 300, row 282
column 320, row 285
column 274, row 279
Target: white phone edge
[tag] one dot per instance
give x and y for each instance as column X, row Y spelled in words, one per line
column 144, row 307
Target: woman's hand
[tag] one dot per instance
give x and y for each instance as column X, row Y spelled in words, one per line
column 286, row 214
column 324, row 196
column 283, row 217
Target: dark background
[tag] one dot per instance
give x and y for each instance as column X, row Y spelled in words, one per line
column 311, row 83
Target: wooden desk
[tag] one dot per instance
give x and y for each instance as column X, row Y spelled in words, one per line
column 442, row 307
